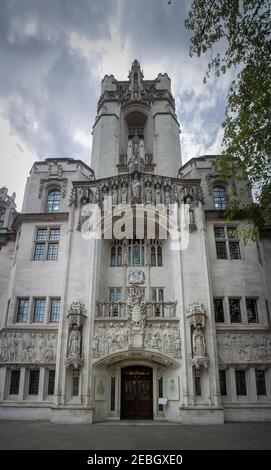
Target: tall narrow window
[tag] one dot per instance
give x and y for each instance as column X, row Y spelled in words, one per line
column 159, row 256
column 33, row 386
column 51, row 382
column 197, row 385
column 222, row 382
column 252, row 313
column 119, row 255
column 115, row 296
column 220, row 242
column 219, row 311
column 158, row 296
column 14, row 382
column 75, row 382
column 235, row 310
column 113, row 393
column 2, row 218
column 153, row 256
column 39, row 310
column 55, row 310
column 136, row 255
column 113, row 256
column 219, row 195
column 22, row 312
column 260, row 382
column 233, row 240
column 240, row 378
column 53, row 201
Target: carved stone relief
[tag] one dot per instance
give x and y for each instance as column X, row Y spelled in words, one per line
column 28, row 347
column 245, row 347
column 196, row 315
column 113, row 337
column 77, row 318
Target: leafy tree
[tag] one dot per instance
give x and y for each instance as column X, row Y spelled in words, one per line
column 237, row 34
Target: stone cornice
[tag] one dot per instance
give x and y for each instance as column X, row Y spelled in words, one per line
column 39, row 217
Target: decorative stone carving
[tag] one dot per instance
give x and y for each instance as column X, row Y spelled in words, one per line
column 135, row 333
column 244, row 347
column 74, row 357
column 77, row 314
column 136, row 277
column 55, row 169
column 135, row 187
column 77, row 317
column 113, row 337
column 196, row 315
column 62, row 182
column 29, row 347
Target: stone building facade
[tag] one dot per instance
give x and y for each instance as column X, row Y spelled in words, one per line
column 132, row 326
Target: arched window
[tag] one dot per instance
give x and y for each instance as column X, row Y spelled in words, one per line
column 136, row 255
column 159, row 256
column 113, row 256
column 2, row 217
column 219, row 195
column 119, row 256
column 153, row 256
column 53, row 201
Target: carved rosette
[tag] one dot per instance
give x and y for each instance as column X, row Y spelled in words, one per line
column 77, row 316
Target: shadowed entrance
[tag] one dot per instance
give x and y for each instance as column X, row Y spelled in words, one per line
column 136, row 393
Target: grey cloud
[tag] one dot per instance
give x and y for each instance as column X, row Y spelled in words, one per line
column 48, row 90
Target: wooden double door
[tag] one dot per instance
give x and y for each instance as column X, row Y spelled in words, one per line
column 136, row 393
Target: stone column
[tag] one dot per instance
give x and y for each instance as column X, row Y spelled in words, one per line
column 42, row 384
column 23, row 385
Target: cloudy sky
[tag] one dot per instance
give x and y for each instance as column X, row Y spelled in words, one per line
column 54, row 54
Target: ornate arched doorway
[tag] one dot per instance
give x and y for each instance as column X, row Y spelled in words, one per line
column 136, row 392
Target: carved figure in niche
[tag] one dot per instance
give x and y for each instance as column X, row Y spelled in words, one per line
column 158, row 195
column 148, row 194
column 95, row 346
column 124, row 194
column 13, row 351
column 175, row 194
column 74, row 343
column 177, row 345
column 167, row 197
column 114, row 195
column 136, row 145
column 96, row 195
column 198, row 342
column 136, row 187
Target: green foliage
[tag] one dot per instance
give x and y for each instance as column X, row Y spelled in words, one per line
column 240, row 31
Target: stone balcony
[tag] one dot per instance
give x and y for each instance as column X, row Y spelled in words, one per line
column 159, row 310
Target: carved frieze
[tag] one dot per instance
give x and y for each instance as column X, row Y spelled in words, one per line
column 112, row 337
column 29, row 347
column 135, row 187
column 244, row 347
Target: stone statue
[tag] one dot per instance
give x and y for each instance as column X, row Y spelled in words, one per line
column 74, row 344
column 136, row 187
column 130, row 149
column 148, row 194
column 167, row 197
column 114, row 195
column 124, row 194
column 198, row 342
column 158, row 195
